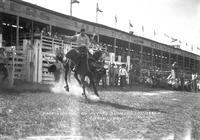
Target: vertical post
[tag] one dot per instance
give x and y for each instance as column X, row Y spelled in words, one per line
column 183, row 63
column 12, row 75
column 141, row 55
column 1, row 40
column 32, row 33
column 161, row 60
column 98, row 38
column 1, row 31
column 96, row 16
column 115, row 40
column 152, row 57
column 189, row 62
column 50, row 29
column 17, row 33
column 170, row 59
column 129, row 53
column 70, row 7
column 129, row 45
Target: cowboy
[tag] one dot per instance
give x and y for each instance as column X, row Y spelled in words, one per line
column 83, row 43
column 3, row 61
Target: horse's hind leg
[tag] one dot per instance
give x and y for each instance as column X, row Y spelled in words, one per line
column 66, row 76
column 76, row 76
column 94, row 86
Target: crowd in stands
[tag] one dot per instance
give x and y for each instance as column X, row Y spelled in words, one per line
column 120, row 76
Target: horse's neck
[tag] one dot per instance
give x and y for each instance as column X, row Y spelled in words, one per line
column 97, row 55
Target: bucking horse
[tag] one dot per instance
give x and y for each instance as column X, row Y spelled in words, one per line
column 83, row 64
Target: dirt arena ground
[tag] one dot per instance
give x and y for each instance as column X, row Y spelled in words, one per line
column 35, row 112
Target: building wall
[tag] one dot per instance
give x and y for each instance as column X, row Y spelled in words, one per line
column 36, row 13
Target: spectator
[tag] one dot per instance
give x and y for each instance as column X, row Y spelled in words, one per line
column 44, row 31
column 123, row 74
column 37, row 33
column 3, row 63
column 116, row 72
column 137, row 71
column 111, row 75
column 182, row 79
column 194, row 81
column 55, row 35
column 131, row 76
column 48, row 33
column 174, row 71
column 104, row 80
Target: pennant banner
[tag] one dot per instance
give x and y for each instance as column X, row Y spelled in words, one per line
column 115, row 19
column 75, row 1
column 131, row 25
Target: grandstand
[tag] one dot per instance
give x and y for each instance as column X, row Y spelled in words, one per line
column 21, row 21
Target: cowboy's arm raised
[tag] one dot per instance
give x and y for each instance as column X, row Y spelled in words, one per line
column 70, row 38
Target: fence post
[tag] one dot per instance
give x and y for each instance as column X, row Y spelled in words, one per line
column 12, row 74
column 39, row 63
column 35, row 61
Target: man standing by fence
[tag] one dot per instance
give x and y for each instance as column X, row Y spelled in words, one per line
column 174, row 71
column 194, row 81
column 123, row 74
column 116, row 74
column 3, row 63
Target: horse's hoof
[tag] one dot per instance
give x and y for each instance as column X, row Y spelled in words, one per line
column 84, row 95
column 66, row 88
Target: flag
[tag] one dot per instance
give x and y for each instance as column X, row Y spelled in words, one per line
column 173, row 39
column 166, row 35
column 154, row 32
column 142, row 28
column 97, row 9
column 75, row 1
column 131, row 25
column 115, row 19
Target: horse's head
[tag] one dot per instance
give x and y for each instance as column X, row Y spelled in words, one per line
column 98, row 55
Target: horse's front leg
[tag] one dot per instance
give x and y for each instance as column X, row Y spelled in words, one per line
column 94, row 86
column 83, row 86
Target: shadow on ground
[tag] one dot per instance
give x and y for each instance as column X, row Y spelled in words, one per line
column 124, row 107
column 20, row 87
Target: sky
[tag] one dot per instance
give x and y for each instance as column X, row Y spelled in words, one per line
column 179, row 19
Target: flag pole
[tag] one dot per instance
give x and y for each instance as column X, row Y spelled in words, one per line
column 115, row 21
column 70, row 7
column 96, row 16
